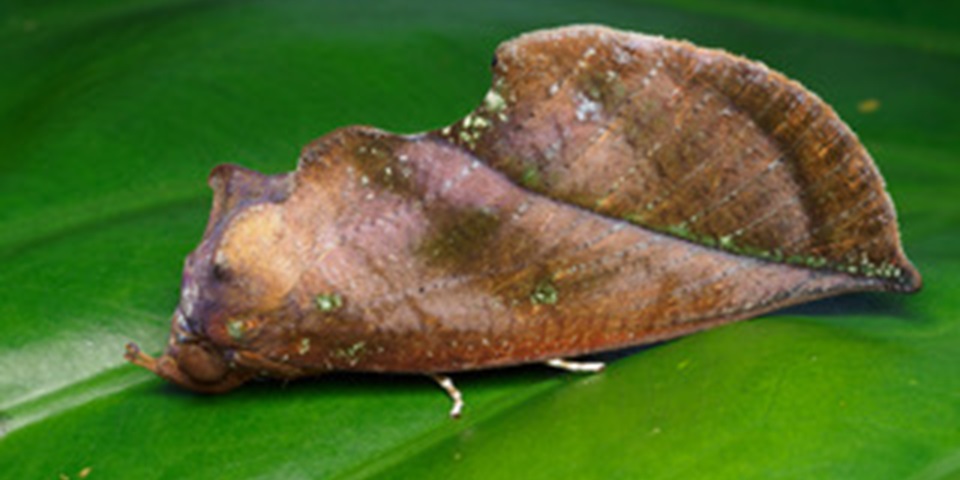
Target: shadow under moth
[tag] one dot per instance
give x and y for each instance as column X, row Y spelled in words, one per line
column 612, row 189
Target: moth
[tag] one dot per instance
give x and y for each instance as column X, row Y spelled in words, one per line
column 612, row 189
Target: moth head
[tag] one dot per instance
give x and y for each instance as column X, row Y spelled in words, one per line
column 245, row 265
column 191, row 361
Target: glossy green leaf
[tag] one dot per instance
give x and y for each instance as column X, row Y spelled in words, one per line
column 113, row 112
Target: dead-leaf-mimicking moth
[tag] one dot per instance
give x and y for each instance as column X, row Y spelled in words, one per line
column 612, row 189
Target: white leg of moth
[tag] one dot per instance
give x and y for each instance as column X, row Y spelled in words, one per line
column 446, row 383
column 572, row 366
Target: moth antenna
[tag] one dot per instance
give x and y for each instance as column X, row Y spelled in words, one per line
column 446, row 383
column 572, row 366
column 136, row 356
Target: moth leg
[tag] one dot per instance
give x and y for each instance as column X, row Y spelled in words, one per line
column 572, row 366
column 260, row 363
column 446, row 383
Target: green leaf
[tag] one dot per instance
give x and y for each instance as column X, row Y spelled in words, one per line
column 112, row 114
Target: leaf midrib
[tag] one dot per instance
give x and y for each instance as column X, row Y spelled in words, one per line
column 54, row 223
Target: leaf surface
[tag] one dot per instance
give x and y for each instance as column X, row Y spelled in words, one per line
column 112, row 114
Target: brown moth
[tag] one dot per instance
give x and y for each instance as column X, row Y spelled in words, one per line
column 613, row 189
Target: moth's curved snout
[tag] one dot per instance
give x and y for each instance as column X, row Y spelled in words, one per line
column 199, row 363
column 191, row 366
